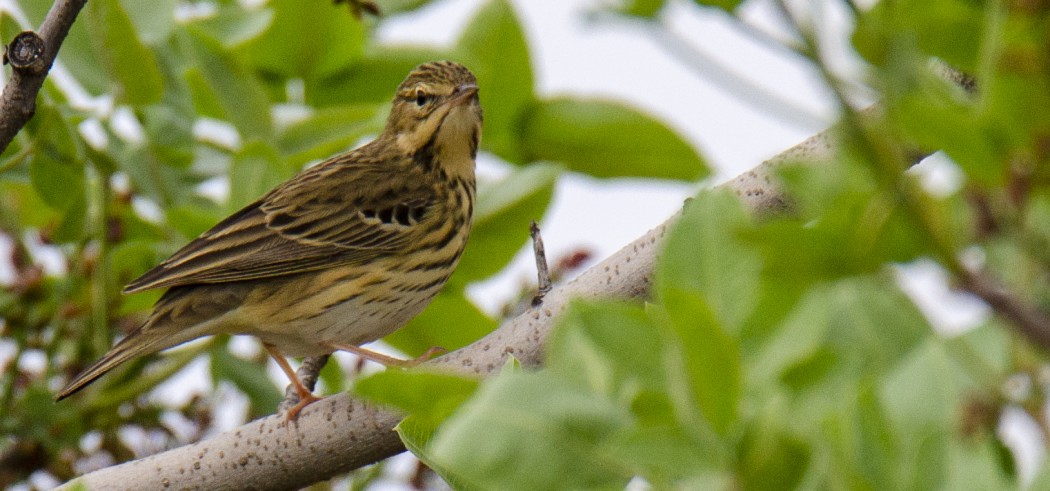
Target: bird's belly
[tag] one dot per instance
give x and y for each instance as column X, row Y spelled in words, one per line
column 353, row 311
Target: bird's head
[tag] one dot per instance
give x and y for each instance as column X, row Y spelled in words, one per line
column 437, row 106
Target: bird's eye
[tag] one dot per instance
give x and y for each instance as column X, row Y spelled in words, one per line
column 421, row 98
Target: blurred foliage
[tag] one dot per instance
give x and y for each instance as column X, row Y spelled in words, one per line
column 780, row 352
column 162, row 100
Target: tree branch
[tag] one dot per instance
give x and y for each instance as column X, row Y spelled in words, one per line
column 340, row 433
column 31, row 56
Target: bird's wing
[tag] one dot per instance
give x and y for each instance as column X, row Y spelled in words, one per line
column 328, row 216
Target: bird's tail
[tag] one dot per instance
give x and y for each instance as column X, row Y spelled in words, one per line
column 138, row 343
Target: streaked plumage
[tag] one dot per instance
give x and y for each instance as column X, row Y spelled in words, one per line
column 344, row 253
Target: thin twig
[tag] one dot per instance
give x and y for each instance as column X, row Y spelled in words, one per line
column 543, row 273
column 734, row 84
column 1030, row 321
column 18, row 101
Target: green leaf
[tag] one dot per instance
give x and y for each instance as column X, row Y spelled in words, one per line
column 922, row 399
column 56, row 168
column 130, row 63
column 617, row 351
column 728, row 5
column 328, row 131
column 608, row 347
column 307, row 39
column 527, row 431
column 711, row 356
column 249, row 377
column 154, row 21
column 646, row 9
column 152, row 178
column 771, row 458
column 430, row 396
column 417, row 433
column 494, row 48
column 256, row 169
column 388, row 7
column 976, row 466
column 502, row 216
column 860, row 327
column 947, row 29
column 193, row 218
column 606, row 139
column 234, row 25
column 170, row 134
column 451, row 322
column 704, row 255
column 370, row 80
column 223, row 87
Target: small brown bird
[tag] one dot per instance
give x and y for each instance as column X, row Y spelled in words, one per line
column 342, row 254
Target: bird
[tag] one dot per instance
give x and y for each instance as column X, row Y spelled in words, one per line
column 342, row 254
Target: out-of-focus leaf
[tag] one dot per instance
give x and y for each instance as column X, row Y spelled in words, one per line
column 428, row 395
column 770, row 458
column 417, row 433
column 170, row 134
column 370, row 80
column 255, row 169
column 307, row 40
column 922, row 400
column 704, row 255
column 495, row 50
column 527, row 431
column 328, row 131
column 504, row 211
column 25, row 205
column 847, row 226
column 646, row 9
column 71, row 227
column 609, row 348
column 248, row 377
column 390, row 7
column 332, row 376
column 129, row 259
column 233, row 25
column 947, row 29
column 130, row 63
column 56, row 167
column 240, row 97
column 193, row 218
column 711, row 355
column 606, row 139
column 728, row 5
column 451, row 322
column 153, row 178
column 154, row 21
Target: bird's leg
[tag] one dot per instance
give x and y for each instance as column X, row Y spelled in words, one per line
column 387, row 360
column 307, row 372
column 305, row 396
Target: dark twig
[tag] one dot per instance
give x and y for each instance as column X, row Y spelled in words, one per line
column 37, row 51
column 308, row 373
column 542, row 271
column 1029, row 320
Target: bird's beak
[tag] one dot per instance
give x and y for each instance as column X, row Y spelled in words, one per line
column 463, row 94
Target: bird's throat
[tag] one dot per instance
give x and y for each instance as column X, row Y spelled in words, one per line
column 456, row 144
